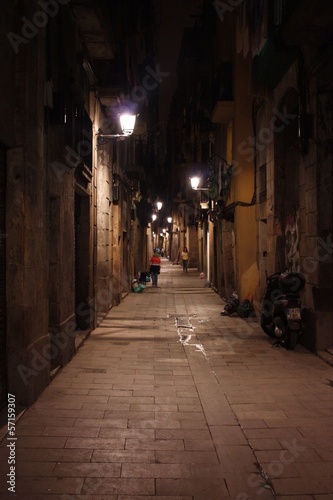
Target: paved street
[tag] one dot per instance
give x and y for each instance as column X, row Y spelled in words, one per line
column 169, row 400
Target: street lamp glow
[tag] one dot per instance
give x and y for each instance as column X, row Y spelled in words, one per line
column 195, row 181
column 127, row 123
column 159, row 205
column 169, row 219
column 154, row 217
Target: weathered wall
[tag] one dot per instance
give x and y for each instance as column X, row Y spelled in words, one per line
column 192, row 245
column 298, row 209
column 242, row 183
column 228, row 256
column 7, row 77
column 322, row 102
column 48, row 212
column 7, row 131
column 27, row 247
column 104, row 247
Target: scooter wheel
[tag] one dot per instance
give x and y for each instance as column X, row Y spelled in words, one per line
column 267, row 328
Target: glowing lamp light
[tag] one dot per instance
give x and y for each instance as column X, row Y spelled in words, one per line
column 154, row 217
column 169, row 219
column 127, row 123
column 195, row 181
column 159, row 205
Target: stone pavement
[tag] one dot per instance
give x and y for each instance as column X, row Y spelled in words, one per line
column 169, row 400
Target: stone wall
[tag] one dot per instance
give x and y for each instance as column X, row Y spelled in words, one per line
column 27, row 242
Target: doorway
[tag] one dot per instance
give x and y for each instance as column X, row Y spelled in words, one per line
column 82, row 253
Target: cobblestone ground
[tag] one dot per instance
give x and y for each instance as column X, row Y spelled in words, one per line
column 168, row 400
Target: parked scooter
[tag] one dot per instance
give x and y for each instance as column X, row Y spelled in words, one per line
column 281, row 308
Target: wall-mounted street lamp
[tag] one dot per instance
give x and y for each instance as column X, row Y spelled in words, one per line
column 204, row 205
column 204, row 200
column 170, row 221
column 127, row 123
column 159, row 205
column 195, row 181
column 225, row 173
column 154, row 217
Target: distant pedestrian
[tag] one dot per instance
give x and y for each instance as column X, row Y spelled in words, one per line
column 155, row 268
column 185, row 258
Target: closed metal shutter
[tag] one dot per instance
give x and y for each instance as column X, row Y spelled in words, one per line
column 3, row 367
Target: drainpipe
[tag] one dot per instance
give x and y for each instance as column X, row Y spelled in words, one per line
column 255, row 109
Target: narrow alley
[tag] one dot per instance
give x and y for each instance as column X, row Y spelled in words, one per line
column 167, row 399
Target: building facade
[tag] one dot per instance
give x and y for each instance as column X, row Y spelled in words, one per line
column 69, row 197
column 253, row 114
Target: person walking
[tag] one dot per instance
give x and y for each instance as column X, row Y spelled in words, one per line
column 185, row 258
column 155, row 267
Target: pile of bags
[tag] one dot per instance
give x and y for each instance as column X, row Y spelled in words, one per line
column 234, row 307
column 231, row 307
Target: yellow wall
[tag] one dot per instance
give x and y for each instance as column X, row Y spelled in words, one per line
column 247, row 269
column 243, row 183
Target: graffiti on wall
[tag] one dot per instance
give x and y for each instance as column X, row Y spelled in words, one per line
column 292, row 242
